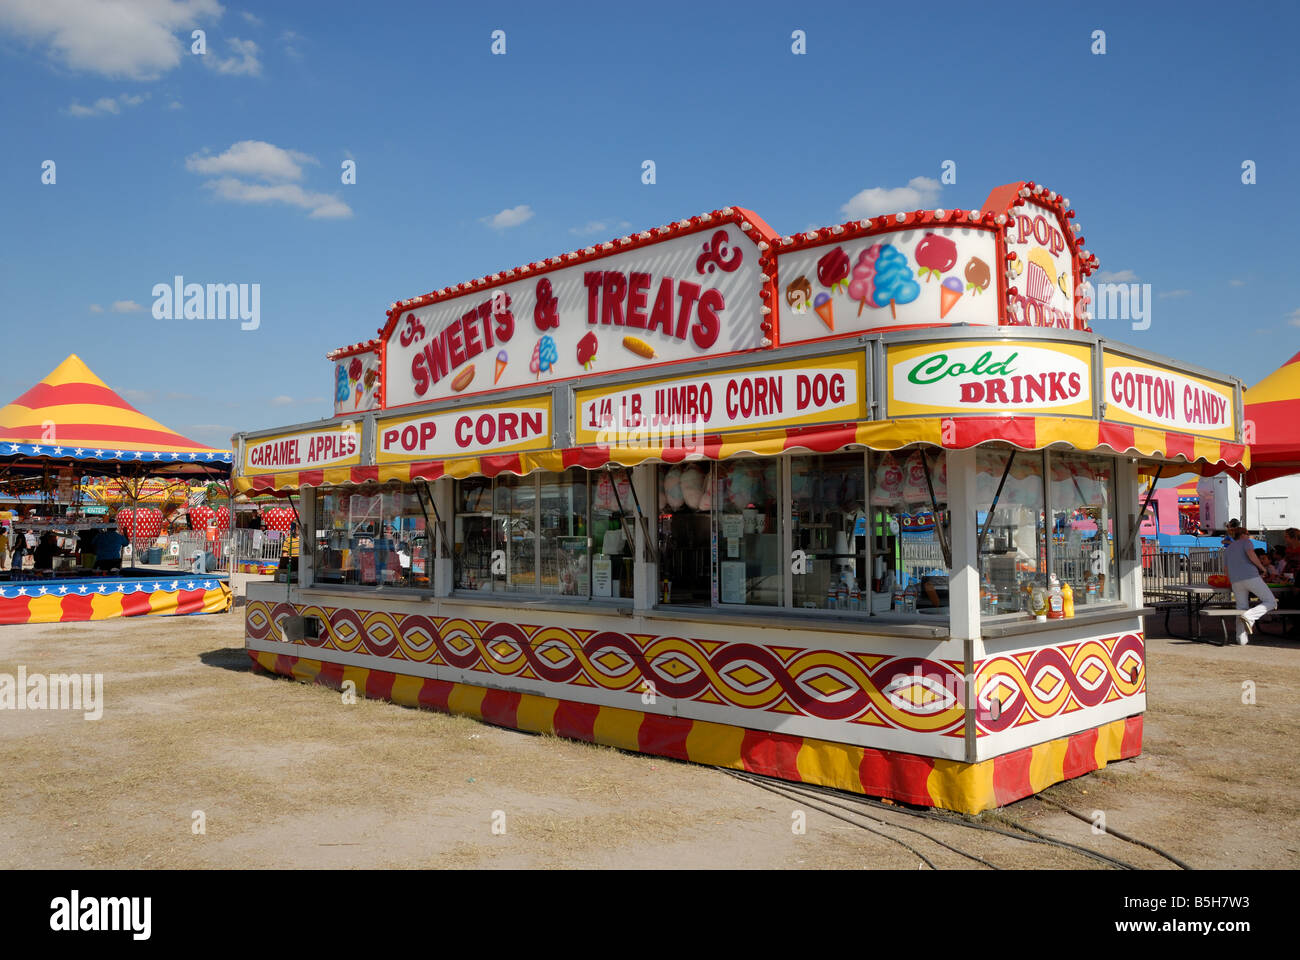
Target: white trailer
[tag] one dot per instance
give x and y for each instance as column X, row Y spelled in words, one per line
column 1270, row 506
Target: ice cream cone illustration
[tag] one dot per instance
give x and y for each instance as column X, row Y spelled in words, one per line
column 502, row 359
column 826, row 310
column 949, row 294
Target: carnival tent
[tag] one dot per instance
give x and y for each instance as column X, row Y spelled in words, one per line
column 72, row 419
column 1272, row 419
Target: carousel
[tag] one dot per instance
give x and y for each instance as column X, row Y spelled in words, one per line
column 856, row 507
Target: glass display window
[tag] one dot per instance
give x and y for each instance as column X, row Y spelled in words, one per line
column 747, row 512
column 685, row 515
column 1012, row 531
column 828, row 522
column 373, row 536
column 911, row 531
column 1081, row 495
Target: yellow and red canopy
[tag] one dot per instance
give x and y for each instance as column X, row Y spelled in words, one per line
column 1273, row 423
column 72, row 415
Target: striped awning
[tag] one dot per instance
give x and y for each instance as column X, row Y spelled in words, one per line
column 72, row 415
column 1027, row 433
column 1273, row 415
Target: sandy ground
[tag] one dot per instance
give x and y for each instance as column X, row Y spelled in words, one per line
column 287, row 775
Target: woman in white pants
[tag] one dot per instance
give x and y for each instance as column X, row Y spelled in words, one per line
column 1247, row 576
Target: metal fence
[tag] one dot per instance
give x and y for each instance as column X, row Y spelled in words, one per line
column 1166, row 567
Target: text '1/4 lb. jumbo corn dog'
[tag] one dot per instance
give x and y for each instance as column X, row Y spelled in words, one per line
column 639, row 347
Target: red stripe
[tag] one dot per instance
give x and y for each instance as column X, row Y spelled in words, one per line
column 577, row 721
column 665, row 736
column 1180, row 444
column 1234, row 452
column 284, row 664
column 501, row 463
column 1116, row 436
column 189, row 601
column 1131, row 745
column 136, row 604
column 436, row 694
column 379, row 684
column 331, row 675
column 589, row 457
column 311, row 478
column 820, row 439
column 885, row 773
column 76, row 607
column 15, row 610
column 773, row 754
column 429, row 470
column 365, row 474
column 501, row 707
column 49, row 395
column 102, row 435
column 1011, row 776
column 969, row 431
column 1080, row 754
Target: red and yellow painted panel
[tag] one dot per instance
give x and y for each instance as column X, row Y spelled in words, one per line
column 49, row 603
column 908, row 778
column 910, row 694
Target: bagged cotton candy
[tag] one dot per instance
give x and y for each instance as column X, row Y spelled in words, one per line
column 693, row 482
column 744, row 486
column 672, row 488
column 914, row 487
column 887, row 485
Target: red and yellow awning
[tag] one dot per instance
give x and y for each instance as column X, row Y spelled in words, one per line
column 954, row 433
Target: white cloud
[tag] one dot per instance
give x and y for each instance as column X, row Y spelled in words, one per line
column 1293, row 318
column 321, row 205
column 243, row 63
column 135, row 39
column 125, row 306
column 1175, row 294
column 251, row 18
column 1237, row 283
column 510, row 217
column 598, row 226
column 281, row 401
column 106, row 105
column 132, row 395
column 1116, row 276
column 96, row 308
column 174, row 105
column 921, row 193
column 291, row 41
column 251, row 158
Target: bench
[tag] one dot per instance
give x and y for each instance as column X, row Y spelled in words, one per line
column 1223, row 613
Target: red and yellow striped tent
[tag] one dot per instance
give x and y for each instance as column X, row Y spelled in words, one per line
column 73, row 418
column 1273, row 424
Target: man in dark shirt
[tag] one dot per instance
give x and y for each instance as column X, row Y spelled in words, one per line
column 45, row 552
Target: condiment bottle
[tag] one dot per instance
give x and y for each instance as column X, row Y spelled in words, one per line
column 1038, row 602
column 1055, row 601
column 1067, row 600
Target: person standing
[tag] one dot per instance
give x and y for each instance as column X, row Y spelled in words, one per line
column 1246, row 574
column 4, row 548
column 20, row 550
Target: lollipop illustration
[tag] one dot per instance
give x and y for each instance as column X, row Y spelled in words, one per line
column 949, row 294
column 341, row 385
column 977, row 275
column 833, row 270
column 544, row 356
column 935, row 255
column 587, row 351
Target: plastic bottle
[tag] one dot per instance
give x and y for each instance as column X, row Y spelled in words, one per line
column 1055, row 601
column 1038, row 603
column 909, row 598
column 1092, row 595
column 1027, row 597
column 993, row 601
column 1067, row 600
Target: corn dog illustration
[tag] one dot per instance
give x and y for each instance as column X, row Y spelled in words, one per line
column 639, row 347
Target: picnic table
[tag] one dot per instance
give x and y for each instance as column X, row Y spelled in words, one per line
column 1201, row 597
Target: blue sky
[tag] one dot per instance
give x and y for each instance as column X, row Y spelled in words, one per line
column 1147, row 141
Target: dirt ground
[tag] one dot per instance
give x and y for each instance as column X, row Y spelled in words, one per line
column 287, row 775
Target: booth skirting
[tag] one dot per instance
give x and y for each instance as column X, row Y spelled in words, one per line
column 904, row 777
column 49, row 603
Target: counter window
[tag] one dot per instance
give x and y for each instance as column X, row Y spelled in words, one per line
column 911, row 531
column 372, row 536
column 828, row 522
column 565, row 534
column 1012, row 550
column 685, row 533
column 1082, row 499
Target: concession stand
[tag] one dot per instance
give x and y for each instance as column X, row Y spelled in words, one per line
column 786, row 504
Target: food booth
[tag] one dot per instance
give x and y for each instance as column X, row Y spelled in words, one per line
column 786, row 504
